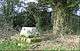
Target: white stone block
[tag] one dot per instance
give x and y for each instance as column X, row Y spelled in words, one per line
column 28, row 31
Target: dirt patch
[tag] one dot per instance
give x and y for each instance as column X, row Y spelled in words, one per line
column 68, row 41
column 49, row 41
column 7, row 31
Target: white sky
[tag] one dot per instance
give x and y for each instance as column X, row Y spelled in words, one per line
column 78, row 12
column 49, row 9
column 24, row 5
column 1, row 5
column 1, row 1
column 20, row 9
column 27, row 1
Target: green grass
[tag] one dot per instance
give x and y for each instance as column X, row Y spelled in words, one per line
column 13, row 45
column 62, row 49
column 20, row 44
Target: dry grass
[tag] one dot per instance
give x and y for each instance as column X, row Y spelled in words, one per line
column 66, row 42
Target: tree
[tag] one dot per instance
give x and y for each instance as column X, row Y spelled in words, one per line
column 9, row 10
column 62, row 9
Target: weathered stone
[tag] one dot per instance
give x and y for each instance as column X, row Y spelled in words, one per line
column 28, row 31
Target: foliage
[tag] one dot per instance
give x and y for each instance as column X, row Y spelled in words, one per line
column 8, row 10
column 34, row 17
column 13, row 45
column 62, row 9
column 17, row 19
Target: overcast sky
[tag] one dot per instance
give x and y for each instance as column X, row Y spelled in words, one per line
column 23, row 5
column 20, row 9
column 27, row 1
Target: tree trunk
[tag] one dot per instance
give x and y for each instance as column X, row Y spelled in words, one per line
column 58, row 19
